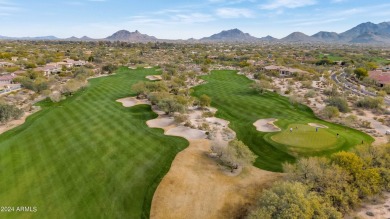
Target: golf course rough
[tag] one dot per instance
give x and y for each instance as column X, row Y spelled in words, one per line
column 242, row 106
column 87, row 156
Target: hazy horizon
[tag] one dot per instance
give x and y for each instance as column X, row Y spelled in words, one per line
column 185, row 19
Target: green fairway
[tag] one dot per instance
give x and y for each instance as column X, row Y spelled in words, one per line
column 87, row 156
column 305, row 138
column 238, row 103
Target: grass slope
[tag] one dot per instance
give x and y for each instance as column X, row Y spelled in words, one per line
column 237, row 102
column 87, row 156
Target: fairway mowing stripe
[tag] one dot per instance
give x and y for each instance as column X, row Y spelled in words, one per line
column 83, row 145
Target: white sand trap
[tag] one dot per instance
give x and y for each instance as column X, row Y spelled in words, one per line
column 160, row 122
column 318, row 125
column 154, row 77
column 147, row 67
column 131, row 67
column 187, row 133
column 266, row 125
column 131, row 101
column 215, row 120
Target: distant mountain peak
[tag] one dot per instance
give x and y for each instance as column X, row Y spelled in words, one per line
column 231, row 35
column 298, row 37
column 136, row 36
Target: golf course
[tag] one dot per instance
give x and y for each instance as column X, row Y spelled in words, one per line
column 87, row 156
column 90, row 157
column 242, row 106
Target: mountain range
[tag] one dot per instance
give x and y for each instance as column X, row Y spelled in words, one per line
column 365, row 33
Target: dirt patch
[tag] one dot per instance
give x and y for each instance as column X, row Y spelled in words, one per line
column 154, row 77
column 132, row 101
column 195, row 187
column 14, row 123
column 318, row 125
column 375, row 211
column 266, row 125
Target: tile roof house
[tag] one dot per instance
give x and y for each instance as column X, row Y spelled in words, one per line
column 283, row 71
column 381, row 77
column 7, row 79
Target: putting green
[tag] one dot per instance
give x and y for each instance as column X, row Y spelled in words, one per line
column 305, row 137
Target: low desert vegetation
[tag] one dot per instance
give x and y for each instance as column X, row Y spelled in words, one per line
column 321, row 187
column 9, row 112
column 235, row 155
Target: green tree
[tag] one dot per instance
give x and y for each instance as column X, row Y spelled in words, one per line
column 139, row 88
column 9, row 112
column 292, row 200
column 326, row 179
column 235, row 154
column 361, row 73
column 366, row 180
column 330, row 112
column 170, row 105
column 340, row 103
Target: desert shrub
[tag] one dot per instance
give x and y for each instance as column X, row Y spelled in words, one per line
column 339, row 102
column 235, row 154
column 180, row 118
column 310, row 94
column 55, row 96
column 292, row 200
column 9, row 112
column 207, row 114
column 306, row 84
column 204, row 126
column 370, row 102
column 330, row 112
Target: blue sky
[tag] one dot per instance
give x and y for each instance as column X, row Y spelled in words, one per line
column 182, row 19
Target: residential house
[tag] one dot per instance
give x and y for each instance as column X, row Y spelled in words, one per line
column 381, row 77
column 283, row 71
column 6, row 64
column 7, row 79
column 48, row 69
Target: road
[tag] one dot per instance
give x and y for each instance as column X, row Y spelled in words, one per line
column 353, row 88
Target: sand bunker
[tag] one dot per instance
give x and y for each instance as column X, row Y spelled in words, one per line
column 131, row 101
column 160, row 122
column 214, row 120
column 154, row 77
column 186, row 132
column 318, row 125
column 266, row 125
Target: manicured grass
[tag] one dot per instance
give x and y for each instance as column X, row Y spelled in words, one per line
column 238, row 103
column 305, row 138
column 87, row 156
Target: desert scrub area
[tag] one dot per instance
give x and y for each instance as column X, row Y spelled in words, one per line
column 88, row 156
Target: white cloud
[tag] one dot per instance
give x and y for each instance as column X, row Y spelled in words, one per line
column 234, row 13
column 8, row 9
column 276, row 4
column 316, row 22
column 192, row 18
